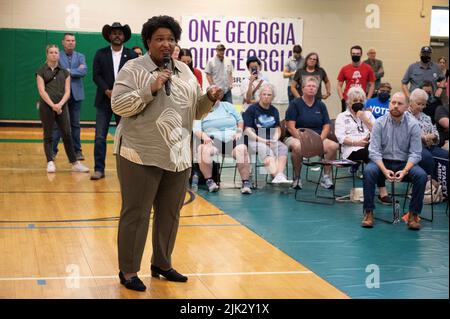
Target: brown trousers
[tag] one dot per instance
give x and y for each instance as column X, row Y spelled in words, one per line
column 141, row 188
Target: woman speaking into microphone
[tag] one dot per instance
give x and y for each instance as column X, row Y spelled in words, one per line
column 152, row 148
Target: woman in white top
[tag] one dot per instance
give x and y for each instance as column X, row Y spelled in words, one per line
column 352, row 129
column 251, row 86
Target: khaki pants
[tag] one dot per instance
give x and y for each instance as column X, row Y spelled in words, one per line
column 445, row 146
column 141, row 188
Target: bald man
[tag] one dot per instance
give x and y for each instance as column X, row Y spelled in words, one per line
column 395, row 150
column 377, row 67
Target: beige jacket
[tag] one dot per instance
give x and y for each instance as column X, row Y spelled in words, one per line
column 156, row 130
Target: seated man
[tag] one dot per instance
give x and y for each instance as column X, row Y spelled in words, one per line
column 222, row 130
column 262, row 125
column 433, row 100
column 308, row 112
column 395, row 151
column 379, row 105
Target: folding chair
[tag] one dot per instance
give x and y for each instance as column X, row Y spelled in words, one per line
column 312, row 146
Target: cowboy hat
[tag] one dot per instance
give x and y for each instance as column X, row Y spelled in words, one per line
column 106, row 31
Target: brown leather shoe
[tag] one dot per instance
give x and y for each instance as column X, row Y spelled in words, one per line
column 367, row 221
column 413, row 221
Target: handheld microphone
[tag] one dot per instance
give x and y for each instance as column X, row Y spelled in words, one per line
column 166, row 63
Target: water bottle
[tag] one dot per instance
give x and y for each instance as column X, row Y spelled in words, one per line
column 396, row 213
column 194, row 184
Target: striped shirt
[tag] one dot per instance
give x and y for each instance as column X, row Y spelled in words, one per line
column 156, row 130
column 427, row 126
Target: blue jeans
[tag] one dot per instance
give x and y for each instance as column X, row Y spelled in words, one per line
column 74, row 114
column 428, row 163
column 228, row 97
column 102, row 118
column 416, row 176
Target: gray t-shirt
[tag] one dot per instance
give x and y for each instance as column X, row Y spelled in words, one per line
column 293, row 65
column 302, row 74
column 419, row 72
column 220, row 72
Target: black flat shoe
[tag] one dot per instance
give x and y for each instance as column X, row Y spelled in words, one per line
column 134, row 283
column 171, row 274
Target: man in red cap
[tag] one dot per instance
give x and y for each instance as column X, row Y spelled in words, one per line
column 107, row 64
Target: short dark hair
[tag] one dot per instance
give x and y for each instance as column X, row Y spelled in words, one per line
column 68, row 33
column 426, row 83
column 136, row 47
column 156, row 22
column 297, row 49
column 357, row 47
column 251, row 59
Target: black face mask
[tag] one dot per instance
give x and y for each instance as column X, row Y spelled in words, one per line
column 356, row 58
column 357, row 107
column 425, row 59
column 383, row 96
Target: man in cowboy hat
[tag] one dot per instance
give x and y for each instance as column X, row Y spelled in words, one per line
column 107, row 63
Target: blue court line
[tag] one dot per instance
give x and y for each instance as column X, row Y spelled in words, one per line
column 32, row 226
column 41, row 282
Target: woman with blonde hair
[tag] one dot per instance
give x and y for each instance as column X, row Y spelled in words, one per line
column 53, row 83
column 352, row 129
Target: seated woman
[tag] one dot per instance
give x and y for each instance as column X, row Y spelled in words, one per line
column 430, row 136
column 352, row 129
column 222, row 130
column 308, row 112
column 262, row 126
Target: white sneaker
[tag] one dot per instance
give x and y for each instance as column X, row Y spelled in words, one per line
column 51, row 168
column 212, row 186
column 280, row 178
column 80, row 168
column 326, row 182
column 246, row 187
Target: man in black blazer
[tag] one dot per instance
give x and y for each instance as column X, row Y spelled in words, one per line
column 107, row 63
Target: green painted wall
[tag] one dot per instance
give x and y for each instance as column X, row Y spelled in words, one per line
column 25, row 53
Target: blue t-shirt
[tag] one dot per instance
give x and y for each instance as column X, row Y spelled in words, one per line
column 378, row 108
column 220, row 123
column 262, row 120
column 314, row 117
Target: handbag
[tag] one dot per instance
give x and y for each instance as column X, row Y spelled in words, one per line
column 356, row 196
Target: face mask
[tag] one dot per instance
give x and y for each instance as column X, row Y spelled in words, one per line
column 383, row 96
column 357, row 107
column 356, row 58
column 425, row 59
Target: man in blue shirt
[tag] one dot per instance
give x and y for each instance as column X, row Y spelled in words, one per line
column 75, row 63
column 379, row 105
column 395, row 150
